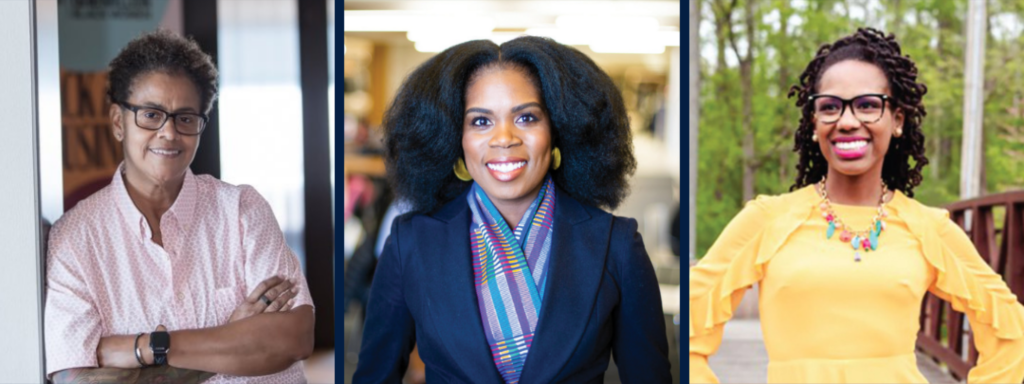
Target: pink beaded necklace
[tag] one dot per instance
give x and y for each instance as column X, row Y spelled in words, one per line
column 866, row 240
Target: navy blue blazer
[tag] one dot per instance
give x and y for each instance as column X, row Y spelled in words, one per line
column 602, row 297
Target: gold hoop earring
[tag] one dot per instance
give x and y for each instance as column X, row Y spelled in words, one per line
column 814, row 137
column 556, row 159
column 461, row 172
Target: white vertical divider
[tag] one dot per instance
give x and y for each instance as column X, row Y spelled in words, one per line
column 21, row 233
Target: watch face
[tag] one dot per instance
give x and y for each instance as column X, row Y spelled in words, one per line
column 160, row 342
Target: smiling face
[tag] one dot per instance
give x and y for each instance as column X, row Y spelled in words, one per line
column 851, row 146
column 157, row 157
column 506, row 136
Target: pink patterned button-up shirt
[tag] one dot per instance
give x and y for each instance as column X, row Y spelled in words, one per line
column 105, row 276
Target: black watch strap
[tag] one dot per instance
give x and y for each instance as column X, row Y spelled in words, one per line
column 160, row 344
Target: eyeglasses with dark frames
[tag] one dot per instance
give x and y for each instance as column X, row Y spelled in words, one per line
column 867, row 108
column 151, row 118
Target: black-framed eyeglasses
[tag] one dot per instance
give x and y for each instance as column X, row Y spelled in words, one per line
column 190, row 124
column 867, row 108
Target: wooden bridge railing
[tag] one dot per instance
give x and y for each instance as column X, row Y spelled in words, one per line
column 1003, row 249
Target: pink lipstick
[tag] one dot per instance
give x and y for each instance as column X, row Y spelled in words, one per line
column 850, row 147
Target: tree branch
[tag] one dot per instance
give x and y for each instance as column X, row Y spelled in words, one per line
column 732, row 44
column 762, row 158
column 724, row 16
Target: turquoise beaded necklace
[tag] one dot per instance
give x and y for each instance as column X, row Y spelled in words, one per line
column 866, row 240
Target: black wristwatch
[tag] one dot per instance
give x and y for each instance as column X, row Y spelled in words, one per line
column 160, row 344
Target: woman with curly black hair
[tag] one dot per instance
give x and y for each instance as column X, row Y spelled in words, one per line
column 844, row 260
column 163, row 275
column 508, row 271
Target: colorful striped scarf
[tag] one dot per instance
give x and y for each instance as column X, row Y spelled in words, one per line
column 511, row 270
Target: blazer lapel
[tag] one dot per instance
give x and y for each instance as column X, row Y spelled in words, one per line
column 578, row 253
column 451, row 293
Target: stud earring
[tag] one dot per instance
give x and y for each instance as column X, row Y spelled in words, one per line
column 814, row 137
column 899, row 132
column 461, row 172
column 556, row 158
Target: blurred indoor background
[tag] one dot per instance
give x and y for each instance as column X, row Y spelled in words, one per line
column 635, row 42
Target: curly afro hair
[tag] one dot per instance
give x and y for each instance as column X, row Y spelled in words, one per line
column 874, row 47
column 423, row 125
column 167, row 52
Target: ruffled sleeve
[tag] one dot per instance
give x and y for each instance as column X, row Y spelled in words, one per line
column 717, row 284
column 965, row 280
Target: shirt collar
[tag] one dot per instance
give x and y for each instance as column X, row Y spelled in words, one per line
column 182, row 210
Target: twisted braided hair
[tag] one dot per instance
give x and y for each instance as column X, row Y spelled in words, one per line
column 874, row 47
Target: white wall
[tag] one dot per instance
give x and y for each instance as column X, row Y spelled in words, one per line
column 21, row 356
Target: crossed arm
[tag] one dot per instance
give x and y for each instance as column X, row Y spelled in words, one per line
column 258, row 340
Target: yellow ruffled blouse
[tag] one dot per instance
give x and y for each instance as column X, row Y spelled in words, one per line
column 829, row 319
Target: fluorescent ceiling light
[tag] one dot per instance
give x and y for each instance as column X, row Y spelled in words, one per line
column 501, row 37
column 477, row 28
column 599, row 18
column 563, row 36
column 642, row 42
column 405, row 21
column 544, row 7
column 607, row 24
column 589, row 23
column 381, row 21
column 440, row 44
column 627, row 47
column 668, row 38
column 436, row 45
column 421, row 35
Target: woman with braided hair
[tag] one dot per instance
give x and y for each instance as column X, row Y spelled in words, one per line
column 844, row 260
